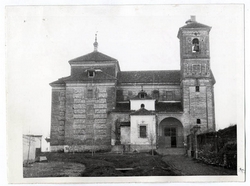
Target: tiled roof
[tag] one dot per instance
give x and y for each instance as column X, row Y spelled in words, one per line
column 160, row 76
column 143, row 111
column 195, row 25
column 125, row 124
column 59, row 81
column 168, row 107
column 83, row 77
column 93, row 56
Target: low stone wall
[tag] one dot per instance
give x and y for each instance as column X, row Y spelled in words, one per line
column 80, row 148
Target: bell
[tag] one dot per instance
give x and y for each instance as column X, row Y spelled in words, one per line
column 196, row 48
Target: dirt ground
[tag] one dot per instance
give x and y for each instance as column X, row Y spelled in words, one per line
column 106, row 164
column 183, row 165
column 101, row 164
column 53, row 169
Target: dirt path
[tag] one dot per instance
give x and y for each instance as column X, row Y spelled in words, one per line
column 53, row 169
column 183, row 165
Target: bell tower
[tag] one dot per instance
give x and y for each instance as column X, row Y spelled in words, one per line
column 194, row 49
column 196, row 76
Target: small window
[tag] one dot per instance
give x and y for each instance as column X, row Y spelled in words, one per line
column 119, row 95
column 142, row 106
column 90, row 94
column 91, row 73
column 195, row 45
column 141, row 95
column 198, row 121
column 197, row 89
column 143, row 131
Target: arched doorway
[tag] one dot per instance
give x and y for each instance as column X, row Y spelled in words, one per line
column 170, row 133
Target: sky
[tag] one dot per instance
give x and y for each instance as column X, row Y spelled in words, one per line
column 41, row 40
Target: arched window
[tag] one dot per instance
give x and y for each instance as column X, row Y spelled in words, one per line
column 91, row 73
column 195, row 45
column 142, row 105
column 142, row 94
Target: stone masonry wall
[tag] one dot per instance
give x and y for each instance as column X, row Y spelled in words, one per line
column 86, row 123
column 57, row 116
column 198, row 105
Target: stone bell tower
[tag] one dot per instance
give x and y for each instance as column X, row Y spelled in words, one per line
column 196, row 76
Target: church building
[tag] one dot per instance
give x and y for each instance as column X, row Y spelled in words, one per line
column 101, row 107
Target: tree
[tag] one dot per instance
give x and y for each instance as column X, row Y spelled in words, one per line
column 151, row 139
column 117, row 132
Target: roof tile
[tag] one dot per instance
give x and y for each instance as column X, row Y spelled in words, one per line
column 93, row 56
column 160, row 76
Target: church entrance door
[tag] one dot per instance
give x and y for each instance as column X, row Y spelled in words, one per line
column 170, row 136
column 171, row 133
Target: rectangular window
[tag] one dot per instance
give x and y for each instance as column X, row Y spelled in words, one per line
column 198, row 121
column 90, row 93
column 143, row 131
column 119, row 95
column 197, row 89
column 169, row 95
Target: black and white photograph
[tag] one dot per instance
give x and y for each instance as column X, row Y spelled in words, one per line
column 125, row 93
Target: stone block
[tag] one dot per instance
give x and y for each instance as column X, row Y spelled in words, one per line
column 62, row 98
column 61, row 123
column 100, row 116
column 100, row 126
column 61, row 107
column 102, row 95
column 102, row 89
column 77, row 96
column 79, row 132
column 79, row 116
column 80, row 121
column 100, row 121
column 79, row 106
column 79, row 126
column 79, row 111
column 61, row 113
column 77, row 100
column 62, row 103
column 62, row 93
column 61, row 118
column 100, row 111
column 78, row 90
column 61, row 128
column 100, row 106
column 100, row 101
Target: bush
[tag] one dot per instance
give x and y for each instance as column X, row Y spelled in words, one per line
column 226, row 157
